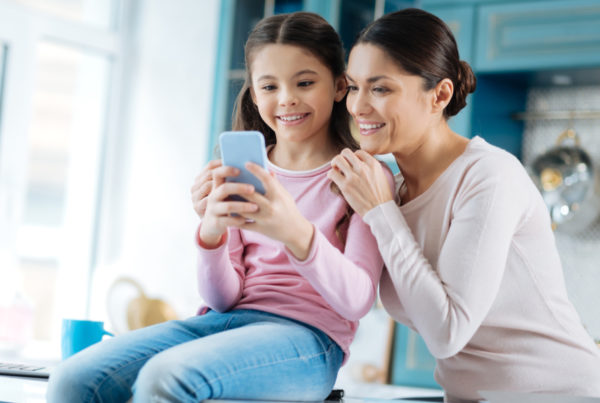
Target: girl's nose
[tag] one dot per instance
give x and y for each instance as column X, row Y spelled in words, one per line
column 287, row 98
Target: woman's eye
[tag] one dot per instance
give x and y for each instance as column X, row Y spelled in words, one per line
column 380, row 90
column 268, row 87
column 352, row 88
column 305, row 83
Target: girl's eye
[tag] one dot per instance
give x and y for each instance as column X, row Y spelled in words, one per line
column 352, row 88
column 305, row 83
column 268, row 87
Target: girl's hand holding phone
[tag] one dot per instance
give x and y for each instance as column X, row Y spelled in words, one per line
column 221, row 212
column 277, row 216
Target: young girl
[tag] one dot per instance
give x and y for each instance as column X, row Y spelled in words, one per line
column 285, row 276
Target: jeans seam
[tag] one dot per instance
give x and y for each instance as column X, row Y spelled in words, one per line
column 95, row 392
column 267, row 364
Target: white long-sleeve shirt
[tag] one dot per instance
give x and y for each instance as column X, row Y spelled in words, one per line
column 473, row 267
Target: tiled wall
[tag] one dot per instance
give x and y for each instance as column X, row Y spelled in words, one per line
column 580, row 252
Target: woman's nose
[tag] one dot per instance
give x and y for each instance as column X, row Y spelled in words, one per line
column 357, row 104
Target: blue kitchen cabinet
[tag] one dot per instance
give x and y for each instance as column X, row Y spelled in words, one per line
column 537, row 35
column 461, row 20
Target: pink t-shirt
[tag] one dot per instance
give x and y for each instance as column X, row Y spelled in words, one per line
column 330, row 290
column 473, row 267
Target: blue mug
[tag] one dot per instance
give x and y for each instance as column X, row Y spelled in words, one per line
column 79, row 334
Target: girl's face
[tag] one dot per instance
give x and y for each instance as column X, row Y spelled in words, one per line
column 294, row 92
column 389, row 106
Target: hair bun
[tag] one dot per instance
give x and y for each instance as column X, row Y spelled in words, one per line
column 465, row 85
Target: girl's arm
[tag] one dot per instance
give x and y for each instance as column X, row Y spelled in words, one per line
column 221, row 272
column 346, row 280
column 448, row 304
column 220, row 269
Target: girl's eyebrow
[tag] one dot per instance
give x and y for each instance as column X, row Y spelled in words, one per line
column 299, row 73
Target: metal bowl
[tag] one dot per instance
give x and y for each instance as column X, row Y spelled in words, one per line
column 566, row 178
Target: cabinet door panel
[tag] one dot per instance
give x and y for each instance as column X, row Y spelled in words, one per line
column 460, row 19
column 528, row 36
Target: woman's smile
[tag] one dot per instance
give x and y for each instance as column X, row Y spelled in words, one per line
column 368, row 128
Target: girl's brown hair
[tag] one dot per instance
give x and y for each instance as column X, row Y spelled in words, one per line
column 311, row 32
column 422, row 44
column 308, row 31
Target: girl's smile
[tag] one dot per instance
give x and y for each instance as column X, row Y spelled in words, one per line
column 293, row 119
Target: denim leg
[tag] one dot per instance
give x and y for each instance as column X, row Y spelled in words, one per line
column 259, row 357
column 106, row 371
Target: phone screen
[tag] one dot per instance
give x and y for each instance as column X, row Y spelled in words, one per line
column 237, row 148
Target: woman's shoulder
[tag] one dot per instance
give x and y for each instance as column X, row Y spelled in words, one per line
column 489, row 161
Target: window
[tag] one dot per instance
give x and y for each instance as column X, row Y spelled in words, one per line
column 55, row 83
column 92, row 12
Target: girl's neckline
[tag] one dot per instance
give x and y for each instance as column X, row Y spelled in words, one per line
column 423, row 197
column 297, row 173
column 310, row 172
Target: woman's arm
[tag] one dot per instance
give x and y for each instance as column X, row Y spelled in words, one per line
column 448, row 304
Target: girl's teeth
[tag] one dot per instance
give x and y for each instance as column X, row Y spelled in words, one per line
column 290, row 118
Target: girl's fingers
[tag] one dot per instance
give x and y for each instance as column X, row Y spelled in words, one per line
column 227, row 208
column 227, row 189
column 262, row 174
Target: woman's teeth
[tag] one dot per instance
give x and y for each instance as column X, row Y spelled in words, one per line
column 365, row 126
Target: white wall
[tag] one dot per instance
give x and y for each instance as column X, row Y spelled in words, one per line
column 147, row 222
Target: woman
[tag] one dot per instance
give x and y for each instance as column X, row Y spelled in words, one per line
column 471, row 259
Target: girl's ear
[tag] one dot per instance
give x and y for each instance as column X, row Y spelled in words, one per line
column 442, row 94
column 341, row 87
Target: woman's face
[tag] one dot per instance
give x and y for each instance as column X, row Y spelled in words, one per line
column 389, row 106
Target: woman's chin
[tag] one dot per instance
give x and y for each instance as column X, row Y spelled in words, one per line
column 371, row 148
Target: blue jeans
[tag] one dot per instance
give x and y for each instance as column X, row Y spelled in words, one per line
column 241, row 354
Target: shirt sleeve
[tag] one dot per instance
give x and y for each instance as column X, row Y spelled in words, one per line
column 346, row 280
column 221, row 272
column 447, row 304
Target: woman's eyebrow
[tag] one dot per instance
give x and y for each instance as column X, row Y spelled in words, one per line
column 370, row 80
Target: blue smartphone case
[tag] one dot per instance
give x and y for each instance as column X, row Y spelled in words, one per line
column 237, row 148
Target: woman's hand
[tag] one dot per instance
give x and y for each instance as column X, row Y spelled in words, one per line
column 219, row 212
column 202, row 186
column 361, row 180
column 278, row 216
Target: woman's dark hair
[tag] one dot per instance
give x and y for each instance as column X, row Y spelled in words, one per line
column 308, row 31
column 423, row 45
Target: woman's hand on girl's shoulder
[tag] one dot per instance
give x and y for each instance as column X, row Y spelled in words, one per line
column 362, row 180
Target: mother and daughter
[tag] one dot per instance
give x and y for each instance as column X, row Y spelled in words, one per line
column 470, row 259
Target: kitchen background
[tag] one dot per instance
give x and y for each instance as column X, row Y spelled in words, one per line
column 108, row 109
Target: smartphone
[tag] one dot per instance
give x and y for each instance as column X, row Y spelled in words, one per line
column 237, row 148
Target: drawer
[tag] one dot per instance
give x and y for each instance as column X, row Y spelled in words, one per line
column 538, row 35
